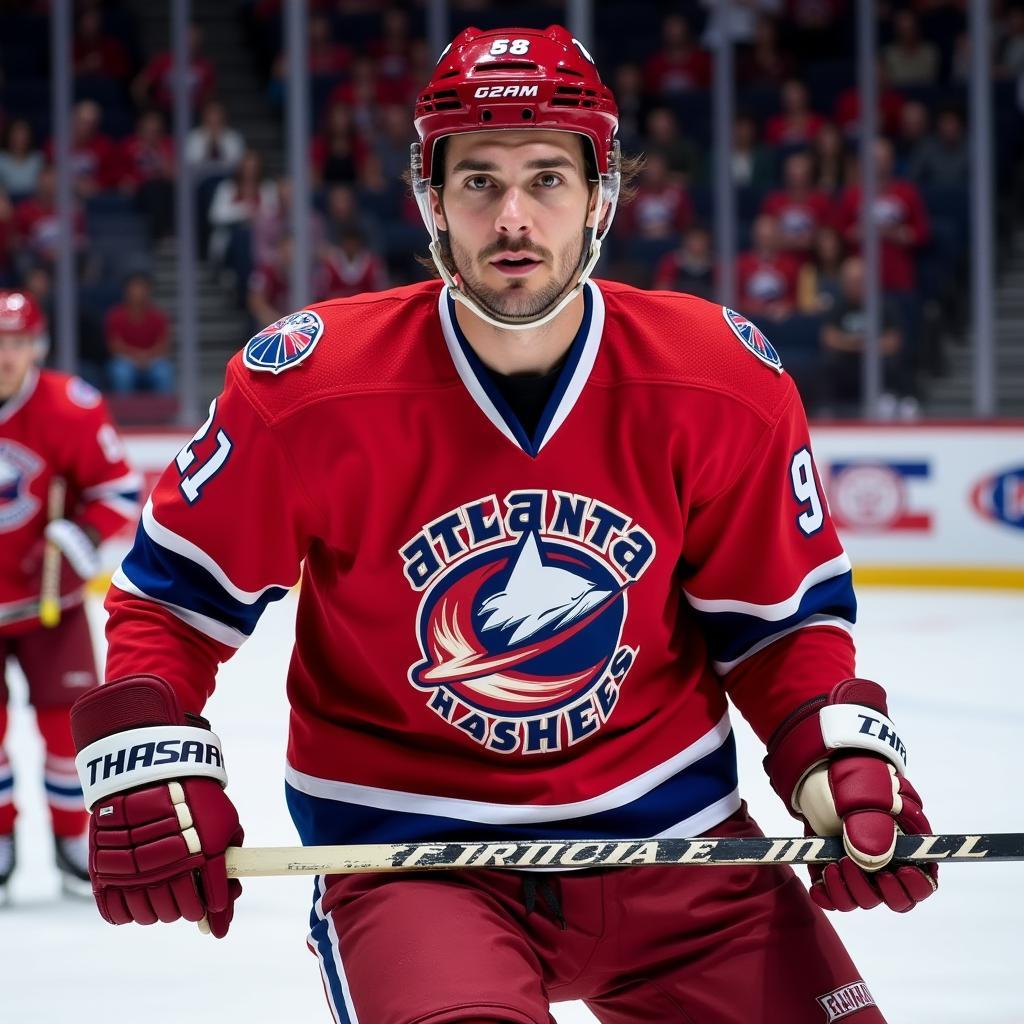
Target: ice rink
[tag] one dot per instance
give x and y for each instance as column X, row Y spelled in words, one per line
column 950, row 659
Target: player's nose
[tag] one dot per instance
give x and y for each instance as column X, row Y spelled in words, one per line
column 512, row 218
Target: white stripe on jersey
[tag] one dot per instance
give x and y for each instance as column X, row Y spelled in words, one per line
column 510, row 814
column 722, row 667
column 180, row 546
column 130, row 483
column 782, row 609
column 227, row 635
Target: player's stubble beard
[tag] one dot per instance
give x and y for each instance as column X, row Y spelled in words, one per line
column 516, row 299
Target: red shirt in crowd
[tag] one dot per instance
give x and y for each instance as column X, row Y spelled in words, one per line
column 658, row 213
column 103, row 56
column 665, row 74
column 341, row 277
column 765, row 281
column 798, row 218
column 141, row 162
column 269, row 282
column 95, row 158
column 141, row 332
column 847, row 111
column 898, row 204
column 38, row 227
column 160, row 71
column 780, row 130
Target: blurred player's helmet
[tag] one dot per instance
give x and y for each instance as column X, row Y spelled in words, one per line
column 517, row 78
column 19, row 314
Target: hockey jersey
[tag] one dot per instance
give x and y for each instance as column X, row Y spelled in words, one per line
column 500, row 634
column 55, row 425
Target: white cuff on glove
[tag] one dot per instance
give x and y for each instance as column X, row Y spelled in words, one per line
column 74, row 544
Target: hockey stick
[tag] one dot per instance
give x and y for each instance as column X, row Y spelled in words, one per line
column 49, row 597
column 576, row 853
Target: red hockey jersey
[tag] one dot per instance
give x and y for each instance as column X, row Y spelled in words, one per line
column 500, row 634
column 55, row 425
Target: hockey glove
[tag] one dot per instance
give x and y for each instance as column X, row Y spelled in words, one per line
column 75, row 545
column 161, row 821
column 838, row 765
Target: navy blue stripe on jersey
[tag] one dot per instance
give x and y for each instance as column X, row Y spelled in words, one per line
column 66, row 791
column 711, row 779
column 321, row 942
column 6, row 786
column 531, row 445
column 732, row 634
column 174, row 579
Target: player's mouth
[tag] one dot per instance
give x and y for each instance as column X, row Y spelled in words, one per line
column 515, row 264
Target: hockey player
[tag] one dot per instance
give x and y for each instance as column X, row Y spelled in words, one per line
column 52, row 427
column 547, row 527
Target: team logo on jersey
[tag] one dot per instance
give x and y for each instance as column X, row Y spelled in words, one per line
column 753, row 338
column 525, row 600
column 83, row 394
column 284, row 344
column 1000, row 498
column 18, row 468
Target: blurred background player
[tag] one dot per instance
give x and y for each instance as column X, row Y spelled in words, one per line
column 52, row 426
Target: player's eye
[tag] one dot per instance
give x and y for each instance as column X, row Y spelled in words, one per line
column 549, row 180
column 476, row 183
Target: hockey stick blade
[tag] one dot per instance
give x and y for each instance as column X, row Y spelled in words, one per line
column 577, row 853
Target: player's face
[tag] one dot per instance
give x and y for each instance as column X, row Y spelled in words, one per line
column 17, row 354
column 515, row 205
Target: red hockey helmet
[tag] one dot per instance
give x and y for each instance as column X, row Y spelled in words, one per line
column 515, row 78
column 19, row 314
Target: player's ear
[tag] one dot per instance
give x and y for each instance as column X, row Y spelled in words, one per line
column 593, row 205
column 437, row 209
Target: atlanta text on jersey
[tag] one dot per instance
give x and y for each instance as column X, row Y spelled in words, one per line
column 521, row 621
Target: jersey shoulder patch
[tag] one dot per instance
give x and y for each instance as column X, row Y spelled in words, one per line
column 285, row 343
column 752, row 338
column 84, row 395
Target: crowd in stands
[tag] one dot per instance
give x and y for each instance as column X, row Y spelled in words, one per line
column 793, row 162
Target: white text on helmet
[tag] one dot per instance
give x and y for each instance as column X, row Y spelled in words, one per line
column 494, row 91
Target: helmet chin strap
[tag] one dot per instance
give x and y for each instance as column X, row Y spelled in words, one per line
column 519, row 323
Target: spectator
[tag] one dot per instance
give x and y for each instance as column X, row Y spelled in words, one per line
column 94, row 163
column 235, row 203
column 680, row 65
column 147, row 161
column 213, row 148
column 689, row 268
column 890, row 103
column 20, row 161
column 901, row 217
column 842, row 339
column 365, row 92
column 766, row 64
column 344, row 214
column 942, row 159
column 38, row 228
column 632, row 101
column 765, row 274
column 665, row 138
column 97, row 52
column 829, row 151
column 800, row 208
column 914, row 136
column 7, row 236
column 662, row 207
column 740, row 22
column 1011, row 44
column 818, row 288
column 910, row 60
column 327, row 58
column 273, row 222
column 337, row 152
column 391, row 144
column 351, row 267
column 268, row 295
column 138, row 339
column 753, row 165
column 392, row 51
column 154, row 83
column 796, row 124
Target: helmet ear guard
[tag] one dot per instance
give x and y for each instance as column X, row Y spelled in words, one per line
column 514, row 79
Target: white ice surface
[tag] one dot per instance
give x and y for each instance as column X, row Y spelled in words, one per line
column 951, row 661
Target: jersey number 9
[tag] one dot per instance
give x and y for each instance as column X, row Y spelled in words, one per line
column 805, row 488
